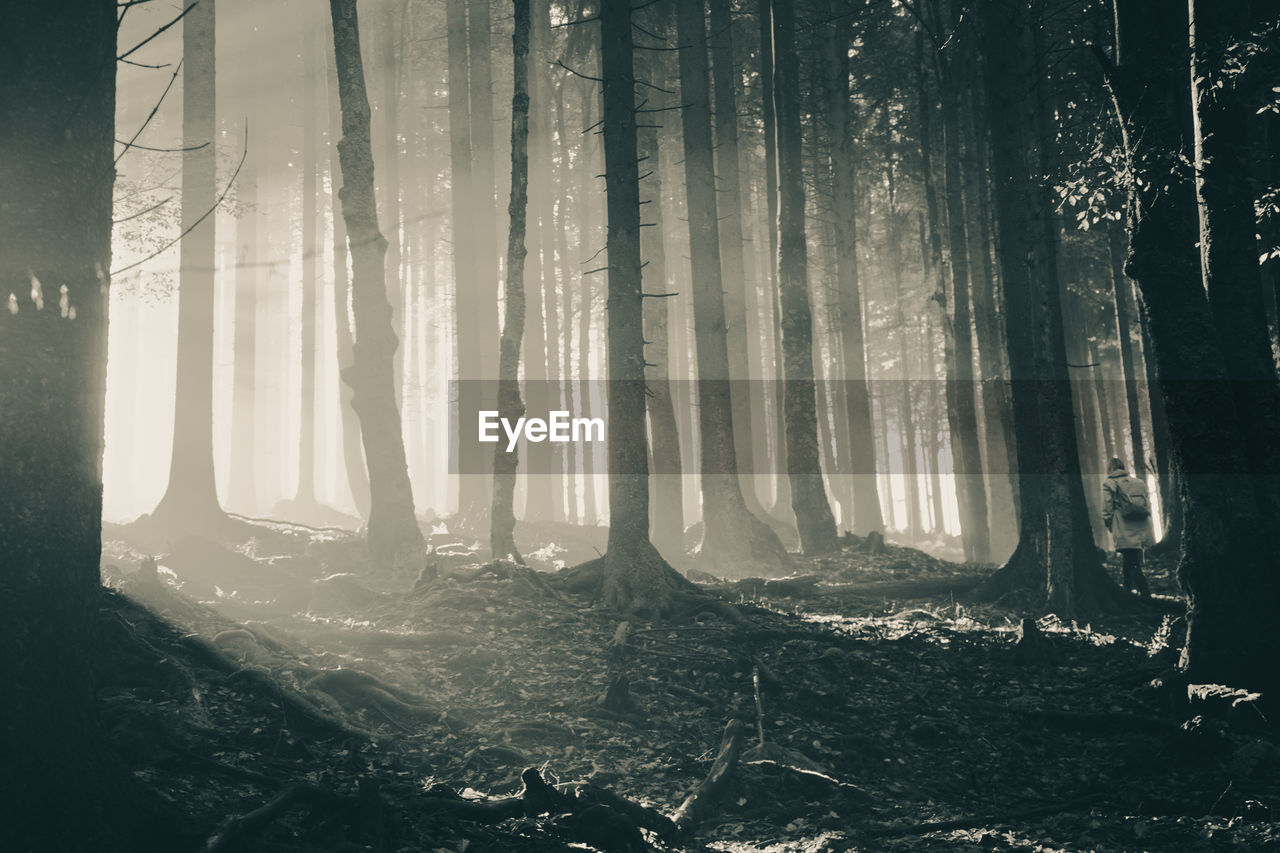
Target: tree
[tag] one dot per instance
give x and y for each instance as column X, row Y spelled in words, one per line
column 502, row 518
column 395, row 541
column 1055, row 552
column 866, row 495
column 191, row 499
column 636, row 578
column 734, row 540
column 305, row 499
column 666, row 488
column 61, row 787
column 814, row 520
column 1227, row 565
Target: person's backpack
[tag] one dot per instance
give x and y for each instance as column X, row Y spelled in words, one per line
column 1131, row 500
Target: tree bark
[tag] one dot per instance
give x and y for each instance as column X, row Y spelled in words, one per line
column 395, row 541
column 502, row 520
column 306, row 494
column 814, row 521
column 61, row 788
column 352, row 449
column 243, row 479
column 1227, row 566
column 1118, row 247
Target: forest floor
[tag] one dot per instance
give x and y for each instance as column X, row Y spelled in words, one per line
column 891, row 712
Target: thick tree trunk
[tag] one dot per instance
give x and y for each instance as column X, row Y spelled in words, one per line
column 502, row 522
column 735, row 542
column 1054, row 529
column 352, row 449
column 636, row 579
column 60, row 787
column 814, row 521
column 191, row 499
column 1228, row 251
column 1227, row 566
column 395, row 541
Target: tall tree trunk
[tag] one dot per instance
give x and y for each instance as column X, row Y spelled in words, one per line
column 734, row 541
column 666, row 487
column 61, row 788
column 728, row 188
column 191, row 499
column 912, row 473
column 352, row 450
column 1054, row 529
column 1228, row 250
column 781, row 509
column 388, row 43
column 636, row 579
column 1227, row 565
column 862, row 464
column 814, row 521
column 466, row 301
column 502, row 522
column 395, row 540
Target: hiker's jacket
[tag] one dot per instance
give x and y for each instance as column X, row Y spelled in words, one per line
column 1125, row 532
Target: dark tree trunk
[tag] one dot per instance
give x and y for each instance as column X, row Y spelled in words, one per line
column 191, row 499
column 61, row 788
column 814, row 521
column 352, row 449
column 502, row 523
column 1228, row 251
column 395, row 541
column 734, row 542
column 1227, row 565
column 862, row 461
column 1054, row 529
column 636, row 578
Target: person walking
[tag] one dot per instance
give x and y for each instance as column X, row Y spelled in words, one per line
column 1126, row 510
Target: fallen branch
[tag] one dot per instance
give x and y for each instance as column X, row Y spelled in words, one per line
column 700, row 800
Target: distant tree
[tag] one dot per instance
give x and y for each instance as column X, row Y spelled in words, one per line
column 734, row 541
column 510, row 406
column 395, row 540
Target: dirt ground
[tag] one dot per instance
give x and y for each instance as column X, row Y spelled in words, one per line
column 883, row 709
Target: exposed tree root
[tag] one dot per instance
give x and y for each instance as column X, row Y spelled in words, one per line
column 699, row 802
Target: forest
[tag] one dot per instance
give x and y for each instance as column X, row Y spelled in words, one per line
column 639, row 425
